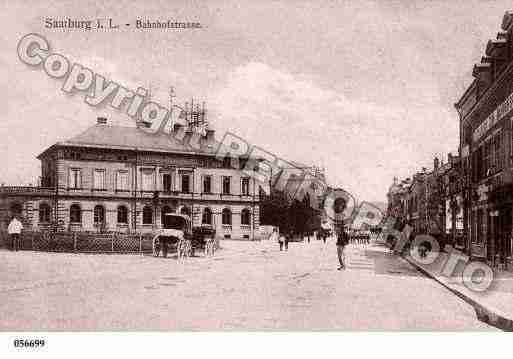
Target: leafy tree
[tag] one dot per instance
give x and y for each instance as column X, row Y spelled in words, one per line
column 279, row 210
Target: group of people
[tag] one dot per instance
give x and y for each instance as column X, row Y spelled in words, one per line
column 342, row 241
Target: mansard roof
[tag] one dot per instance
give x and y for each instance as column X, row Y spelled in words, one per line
column 133, row 138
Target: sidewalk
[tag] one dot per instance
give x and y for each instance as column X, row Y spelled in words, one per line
column 494, row 306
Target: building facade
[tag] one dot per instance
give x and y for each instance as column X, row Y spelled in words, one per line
column 453, row 190
column 121, row 179
column 420, row 201
column 486, row 116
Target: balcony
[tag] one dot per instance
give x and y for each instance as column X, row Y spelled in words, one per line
column 23, row 190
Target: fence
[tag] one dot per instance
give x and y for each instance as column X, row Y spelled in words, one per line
column 83, row 242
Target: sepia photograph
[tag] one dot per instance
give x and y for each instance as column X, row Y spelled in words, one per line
column 258, row 167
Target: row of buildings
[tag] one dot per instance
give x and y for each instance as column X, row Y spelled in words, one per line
column 474, row 200
column 431, row 201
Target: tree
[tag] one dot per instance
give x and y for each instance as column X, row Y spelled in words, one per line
column 278, row 209
column 274, row 209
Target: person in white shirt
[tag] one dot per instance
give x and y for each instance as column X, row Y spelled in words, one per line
column 280, row 238
column 275, row 236
column 14, row 231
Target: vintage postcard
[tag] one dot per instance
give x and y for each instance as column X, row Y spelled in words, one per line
column 234, row 166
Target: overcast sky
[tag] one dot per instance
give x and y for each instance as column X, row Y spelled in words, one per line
column 365, row 88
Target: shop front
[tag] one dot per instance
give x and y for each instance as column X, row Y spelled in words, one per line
column 500, row 226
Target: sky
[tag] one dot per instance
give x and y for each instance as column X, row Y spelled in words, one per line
column 364, row 88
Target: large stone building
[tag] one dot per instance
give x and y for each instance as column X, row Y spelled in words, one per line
column 123, row 179
column 485, row 111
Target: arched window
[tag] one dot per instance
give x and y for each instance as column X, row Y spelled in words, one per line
column 227, row 216
column 75, row 214
column 207, row 216
column 122, row 215
column 147, row 215
column 185, row 210
column 245, row 217
column 99, row 214
column 44, row 213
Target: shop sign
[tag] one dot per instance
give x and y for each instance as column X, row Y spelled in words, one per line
column 502, row 110
column 505, row 107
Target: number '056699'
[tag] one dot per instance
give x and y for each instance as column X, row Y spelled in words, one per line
column 29, row 343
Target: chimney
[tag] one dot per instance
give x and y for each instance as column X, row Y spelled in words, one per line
column 101, row 120
column 436, row 163
column 449, row 158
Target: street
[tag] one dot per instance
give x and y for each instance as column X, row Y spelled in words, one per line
column 246, row 286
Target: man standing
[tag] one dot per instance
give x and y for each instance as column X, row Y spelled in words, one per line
column 342, row 240
column 288, row 238
column 14, row 231
column 281, row 240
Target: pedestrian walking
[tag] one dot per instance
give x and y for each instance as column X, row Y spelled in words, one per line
column 342, row 240
column 274, row 235
column 281, row 240
column 14, row 231
column 287, row 239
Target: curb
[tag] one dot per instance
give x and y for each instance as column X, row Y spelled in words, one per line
column 484, row 314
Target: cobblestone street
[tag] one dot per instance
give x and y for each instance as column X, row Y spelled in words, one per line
column 246, row 286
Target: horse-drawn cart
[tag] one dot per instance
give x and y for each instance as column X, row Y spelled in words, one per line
column 183, row 238
column 178, row 233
